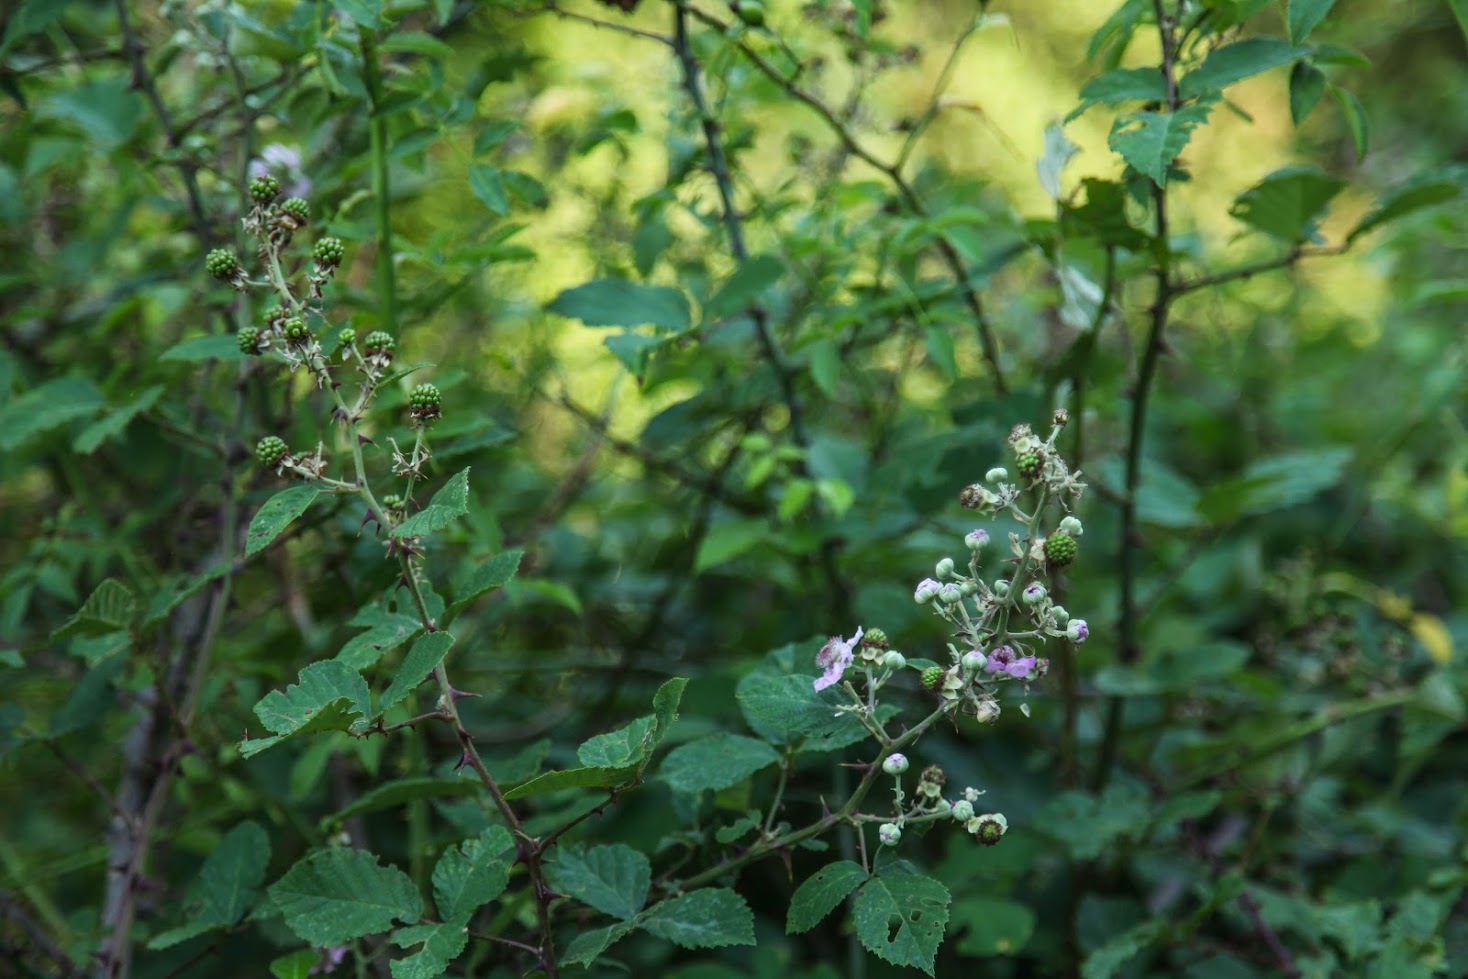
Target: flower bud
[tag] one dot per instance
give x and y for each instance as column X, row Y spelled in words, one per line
column 890, row 834
column 996, row 475
column 1001, row 588
column 895, row 764
column 973, row 661
column 1060, row 615
column 1033, row 594
column 1077, row 630
column 894, row 661
column 975, row 540
column 963, row 810
column 1072, row 526
column 927, row 590
column 944, row 568
column 950, row 594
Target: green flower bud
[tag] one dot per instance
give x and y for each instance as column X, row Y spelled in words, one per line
column 944, row 568
column 270, row 450
column 894, row 661
column 895, row 764
column 890, row 834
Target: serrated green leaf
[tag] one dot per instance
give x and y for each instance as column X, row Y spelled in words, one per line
column 276, row 515
column 744, row 288
column 442, row 943
column 715, row 762
column 221, row 346
column 1107, row 960
column 1121, row 85
column 227, row 884
column 420, row 662
column 1235, row 62
column 821, row 893
column 1307, row 84
column 593, row 777
column 1355, row 117
column 389, row 795
column 993, row 926
column 472, row 874
column 332, row 896
column 111, row 607
column 587, row 946
column 710, row 918
column 1275, row 483
column 1288, row 203
column 620, row 302
column 329, row 696
column 1304, row 15
column 614, row 878
column 617, row 749
column 388, row 631
column 900, row 919
column 1088, row 824
column 786, row 709
column 45, row 407
column 739, row 828
column 447, row 505
column 1403, row 201
column 1150, row 141
column 494, row 573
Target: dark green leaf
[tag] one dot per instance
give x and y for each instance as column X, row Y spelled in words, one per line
column 111, row 607
column 993, row 926
column 821, row 893
column 226, row 886
column 619, row 302
column 715, row 762
column 388, row 631
column 1288, row 203
column 728, row 540
column 1121, row 85
column 418, row 665
column 1355, row 117
column 489, row 186
column 1150, row 141
column 900, row 919
column 448, row 504
column 442, row 943
column 45, row 407
column 1307, row 84
column 390, row 795
column 1399, row 203
column 222, row 346
column 613, row 879
column 587, row 946
column 745, row 287
column 1235, row 62
column 115, row 421
column 472, row 874
column 107, row 111
column 89, row 699
column 276, row 515
column 329, row 696
column 1304, row 15
column 710, row 918
column 367, row 13
column 334, row 895
column 494, row 573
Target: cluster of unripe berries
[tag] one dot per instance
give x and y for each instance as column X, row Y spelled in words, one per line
column 987, row 828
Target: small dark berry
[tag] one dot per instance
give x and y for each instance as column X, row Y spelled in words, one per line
column 990, row 832
column 270, row 450
column 264, row 188
column 222, row 264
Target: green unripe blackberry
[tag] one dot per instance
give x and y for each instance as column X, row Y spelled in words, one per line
column 270, row 450
column 347, row 336
column 329, row 252
column 276, row 315
column 392, row 501
column 295, row 330
column 932, row 676
column 264, row 188
column 1060, row 549
column 971, row 496
column 249, row 340
column 875, row 639
column 379, row 343
column 297, row 208
column 222, row 264
column 988, row 830
column 425, row 402
column 1030, row 465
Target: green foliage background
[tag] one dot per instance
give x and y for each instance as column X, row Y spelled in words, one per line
column 712, row 453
